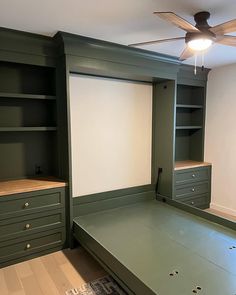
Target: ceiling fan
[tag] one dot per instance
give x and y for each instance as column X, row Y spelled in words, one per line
column 198, row 37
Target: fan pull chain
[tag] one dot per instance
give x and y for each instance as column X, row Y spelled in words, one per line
column 203, row 60
column 195, row 64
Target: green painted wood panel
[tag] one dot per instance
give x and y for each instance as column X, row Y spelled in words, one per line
column 163, row 135
column 12, row 228
column 14, row 249
column 191, row 189
column 185, row 176
column 31, row 202
column 152, row 240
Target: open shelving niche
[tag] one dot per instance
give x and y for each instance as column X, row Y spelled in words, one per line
column 27, row 113
column 189, row 134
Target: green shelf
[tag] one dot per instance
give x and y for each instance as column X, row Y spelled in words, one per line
column 27, row 96
column 188, row 127
column 18, row 129
column 189, row 106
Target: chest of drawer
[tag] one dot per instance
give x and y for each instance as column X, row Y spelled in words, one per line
column 199, row 201
column 31, row 244
column 26, row 203
column 33, row 223
column 186, row 176
column 191, row 189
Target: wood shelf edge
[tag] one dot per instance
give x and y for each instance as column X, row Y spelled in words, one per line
column 10, row 187
column 188, row 164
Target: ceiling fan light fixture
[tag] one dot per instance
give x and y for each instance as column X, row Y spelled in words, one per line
column 200, row 44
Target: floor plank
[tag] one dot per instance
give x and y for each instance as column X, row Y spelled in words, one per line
column 51, row 274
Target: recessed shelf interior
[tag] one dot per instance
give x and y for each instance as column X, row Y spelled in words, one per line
column 27, row 109
column 26, row 79
column 190, row 95
column 17, row 112
column 21, row 152
column 188, row 145
column 189, row 123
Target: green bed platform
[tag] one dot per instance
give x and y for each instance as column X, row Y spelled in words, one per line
column 155, row 248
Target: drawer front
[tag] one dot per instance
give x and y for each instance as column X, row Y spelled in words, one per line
column 197, row 201
column 192, row 175
column 32, row 244
column 20, row 204
column 32, row 223
column 192, row 189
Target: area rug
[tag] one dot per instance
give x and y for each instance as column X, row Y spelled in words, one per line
column 102, row 286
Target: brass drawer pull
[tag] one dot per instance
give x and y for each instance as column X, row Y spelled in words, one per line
column 28, row 246
column 193, row 189
column 27, row 226
column 26, row 205
column 193, row 175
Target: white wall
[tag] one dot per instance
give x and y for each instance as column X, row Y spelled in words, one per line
column 111, row 133
column 220, row 139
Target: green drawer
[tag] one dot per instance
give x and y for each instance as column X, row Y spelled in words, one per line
column 192, row 189
column 26, row 203
column 200, row 201
column 32, row 223
column 192, row 175
column 14, row 249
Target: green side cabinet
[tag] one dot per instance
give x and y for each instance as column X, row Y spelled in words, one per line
column 31, row 224
column 192, row 186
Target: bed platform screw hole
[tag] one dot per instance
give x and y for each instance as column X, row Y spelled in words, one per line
column 232, row 247
column 174, row 273
column 199, row 288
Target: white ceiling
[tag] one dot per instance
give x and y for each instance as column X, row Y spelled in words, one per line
column 120, row 21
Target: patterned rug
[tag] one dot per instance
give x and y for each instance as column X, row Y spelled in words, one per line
column 101, row 286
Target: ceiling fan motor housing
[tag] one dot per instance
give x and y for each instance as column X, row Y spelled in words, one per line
column 203, row 26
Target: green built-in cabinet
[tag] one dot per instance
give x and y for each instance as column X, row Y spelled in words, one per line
column 33, row 190
column 32, row 223
column 28, row 120
column 183, row 156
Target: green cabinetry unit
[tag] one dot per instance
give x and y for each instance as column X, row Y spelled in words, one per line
column 33, row 173
column 33, row 222
column 185, row 176
column 28, row 120
column 193, row 186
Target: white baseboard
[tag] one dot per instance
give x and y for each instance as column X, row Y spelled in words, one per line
column 223, row 209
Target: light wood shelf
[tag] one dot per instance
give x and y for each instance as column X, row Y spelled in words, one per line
column 179, row 165
column 9, row 187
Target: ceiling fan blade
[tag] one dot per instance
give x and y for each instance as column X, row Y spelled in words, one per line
column 224, row 28
column 186, row 53
column 177, row 21
column 156, row 41
column 227, row 40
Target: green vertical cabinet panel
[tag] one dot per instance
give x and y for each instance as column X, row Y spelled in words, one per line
column 163, row 135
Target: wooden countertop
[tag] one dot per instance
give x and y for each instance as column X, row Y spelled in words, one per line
column 9, row 187
column 189, row 164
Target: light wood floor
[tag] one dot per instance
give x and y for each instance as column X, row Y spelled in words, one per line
column 221, row 214
column 52, row 274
